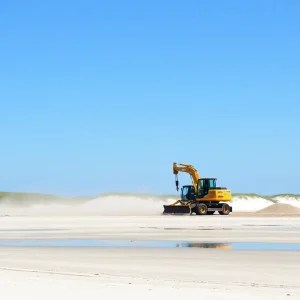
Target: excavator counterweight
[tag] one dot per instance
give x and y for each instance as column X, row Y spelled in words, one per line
column 202, row 197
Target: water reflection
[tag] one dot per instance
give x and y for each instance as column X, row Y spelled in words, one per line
column 208, row 245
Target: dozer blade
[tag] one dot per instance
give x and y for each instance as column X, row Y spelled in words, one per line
column 176, row 209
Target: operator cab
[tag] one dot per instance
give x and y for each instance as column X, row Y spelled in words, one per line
column 206, row 184
column 188, row 192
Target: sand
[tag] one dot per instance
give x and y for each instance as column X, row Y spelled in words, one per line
column 135, row 273
column 153, row 272
column 273, row 210
column 132, row 273
column 280, row 208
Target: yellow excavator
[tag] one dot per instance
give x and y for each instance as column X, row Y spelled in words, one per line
column 202, row 197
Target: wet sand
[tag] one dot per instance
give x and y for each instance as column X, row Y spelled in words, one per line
column 131, row 273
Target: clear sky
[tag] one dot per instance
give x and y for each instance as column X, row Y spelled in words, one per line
column 103, row 96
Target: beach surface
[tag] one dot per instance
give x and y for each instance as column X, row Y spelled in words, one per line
column 123, row 247
column 212, row 257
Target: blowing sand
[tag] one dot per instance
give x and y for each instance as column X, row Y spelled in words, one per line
column 153, row 272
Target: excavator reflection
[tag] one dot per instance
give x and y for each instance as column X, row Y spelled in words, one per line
column 205, row 245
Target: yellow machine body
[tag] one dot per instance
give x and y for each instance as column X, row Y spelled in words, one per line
column 202, row 196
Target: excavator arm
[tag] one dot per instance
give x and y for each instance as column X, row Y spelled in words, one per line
column 187, row 169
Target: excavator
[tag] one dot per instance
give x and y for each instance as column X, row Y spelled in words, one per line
column 202, row 197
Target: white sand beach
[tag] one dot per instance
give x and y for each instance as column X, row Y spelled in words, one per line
column 153, row 272
column 124, row 267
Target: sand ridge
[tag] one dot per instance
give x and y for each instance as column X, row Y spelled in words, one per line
column 279, row 208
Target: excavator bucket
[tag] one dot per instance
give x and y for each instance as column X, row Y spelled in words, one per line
column 174, row 209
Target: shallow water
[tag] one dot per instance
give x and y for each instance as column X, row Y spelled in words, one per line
column 147, row 244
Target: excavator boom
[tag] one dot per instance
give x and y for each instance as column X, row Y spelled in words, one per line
column 187, row 169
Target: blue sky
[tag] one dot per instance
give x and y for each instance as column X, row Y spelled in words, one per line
column 103, row 96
